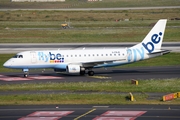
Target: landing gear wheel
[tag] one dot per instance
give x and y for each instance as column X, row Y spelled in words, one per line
column 82, row 72
column 25, row 75
column 90, row 73
column 26, row 72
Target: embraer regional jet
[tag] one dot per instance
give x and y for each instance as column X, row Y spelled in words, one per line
column 80, row 61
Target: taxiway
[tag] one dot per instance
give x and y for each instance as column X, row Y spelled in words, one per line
column 114, row 74
column 90, row 112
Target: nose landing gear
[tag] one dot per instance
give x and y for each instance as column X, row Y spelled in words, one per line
column 26, row 72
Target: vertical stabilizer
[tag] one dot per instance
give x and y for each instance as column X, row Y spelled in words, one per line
column 153, row 41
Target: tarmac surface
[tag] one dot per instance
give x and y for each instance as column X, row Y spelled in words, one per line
column 101, row 74
column 19, row 47
column 90, row 112
column 3, row 8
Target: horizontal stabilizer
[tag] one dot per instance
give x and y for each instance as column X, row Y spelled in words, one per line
column 160, row 51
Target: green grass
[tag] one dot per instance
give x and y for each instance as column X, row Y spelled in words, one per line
column 168, row 85
column 128, row 3
column 79, row 99
column 87, row 26
column 83, row 35
column 74, row 99
column 81, row 4
column 80, row 16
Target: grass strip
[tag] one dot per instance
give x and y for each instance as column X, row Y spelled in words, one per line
column 84, row 4
column 87, row 26
column 167, row 85
column 83, row 35
column 103, row 32
column 65, row 99
column 79, row 99
column 154, row 85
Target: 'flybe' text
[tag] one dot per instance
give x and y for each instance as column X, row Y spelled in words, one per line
column 51, row 57
column 155, row 38
column 135, row 54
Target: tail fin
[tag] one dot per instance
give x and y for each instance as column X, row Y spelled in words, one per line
column 153, row 41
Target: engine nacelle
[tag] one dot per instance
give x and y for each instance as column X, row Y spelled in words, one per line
column 73, row 69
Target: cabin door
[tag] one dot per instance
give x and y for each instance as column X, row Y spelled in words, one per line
column 33, row 57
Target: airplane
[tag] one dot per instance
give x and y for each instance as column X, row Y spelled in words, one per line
column 80, row 61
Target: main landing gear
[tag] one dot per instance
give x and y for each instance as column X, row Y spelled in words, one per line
column 90, row 73
column 26, row 72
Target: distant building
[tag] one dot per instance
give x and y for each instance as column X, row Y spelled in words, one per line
column 37, row 0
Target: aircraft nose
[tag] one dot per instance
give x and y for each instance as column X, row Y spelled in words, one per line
column 6, row 64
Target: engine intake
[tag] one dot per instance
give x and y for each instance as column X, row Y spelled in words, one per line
column 73, row 69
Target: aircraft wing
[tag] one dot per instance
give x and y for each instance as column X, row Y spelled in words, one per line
column 95, row 63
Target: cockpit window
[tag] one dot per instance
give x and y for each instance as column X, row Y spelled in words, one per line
column 15, row 56
column 18, row 56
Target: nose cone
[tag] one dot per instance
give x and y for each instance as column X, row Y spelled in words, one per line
column 6, row 64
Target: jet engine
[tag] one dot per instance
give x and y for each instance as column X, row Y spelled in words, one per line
column 73, row 69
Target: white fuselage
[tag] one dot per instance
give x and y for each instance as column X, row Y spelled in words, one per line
column 61, row 58
column 51, row 59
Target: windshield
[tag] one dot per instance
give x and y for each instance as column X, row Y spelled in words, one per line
column 18, row 56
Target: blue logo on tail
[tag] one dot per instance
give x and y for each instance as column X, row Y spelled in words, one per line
column 155, row 38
